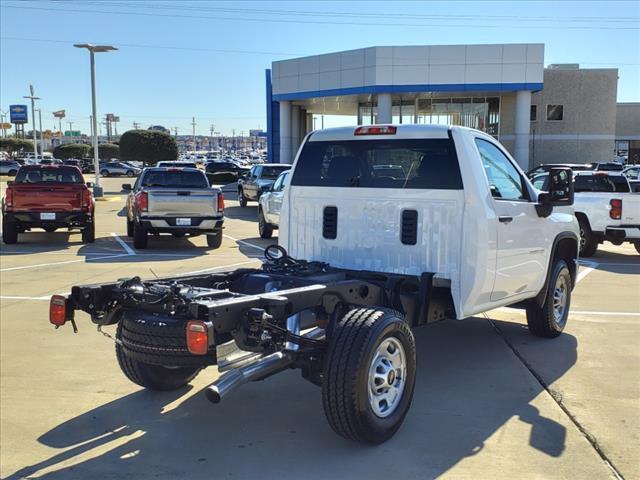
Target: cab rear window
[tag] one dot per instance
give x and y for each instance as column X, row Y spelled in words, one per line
column 49, row 175
column 601, row 183
column 407, row 163
column 175, row 179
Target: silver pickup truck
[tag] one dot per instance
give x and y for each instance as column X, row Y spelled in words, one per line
column 178, row 201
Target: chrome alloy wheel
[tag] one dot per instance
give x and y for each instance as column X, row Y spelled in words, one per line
column 560, row 297
column 387, row 377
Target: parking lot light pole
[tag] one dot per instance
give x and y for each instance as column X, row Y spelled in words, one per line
column 97, row 189
column 33, row 118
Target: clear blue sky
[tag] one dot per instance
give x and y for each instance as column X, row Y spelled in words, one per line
column 214, row 68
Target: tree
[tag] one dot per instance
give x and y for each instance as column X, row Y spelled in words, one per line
column 147, row 146
column 107, row 151
column 71, row 150
column 13, row 145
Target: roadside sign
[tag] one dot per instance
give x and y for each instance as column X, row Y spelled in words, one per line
column 18, row 114
column 5, row 126
column 72, row 133
column 59, row 114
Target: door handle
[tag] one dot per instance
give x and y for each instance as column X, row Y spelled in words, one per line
column 503, row 219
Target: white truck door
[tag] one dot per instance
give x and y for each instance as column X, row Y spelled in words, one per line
column 521, row 253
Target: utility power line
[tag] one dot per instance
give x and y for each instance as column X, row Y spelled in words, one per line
column 318, row 22
column 361, row 14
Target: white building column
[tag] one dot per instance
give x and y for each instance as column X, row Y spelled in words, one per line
column 285, row 131
column 295, row 131
column 309, row 121
column 522, row 128
column 384, row 108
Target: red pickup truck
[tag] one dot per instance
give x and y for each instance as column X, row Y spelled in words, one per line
column 47, row 197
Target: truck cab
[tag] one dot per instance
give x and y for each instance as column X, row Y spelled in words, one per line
column 457, row 205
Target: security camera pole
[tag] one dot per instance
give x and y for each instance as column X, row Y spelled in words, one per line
column 33, row 99
column 97, row 189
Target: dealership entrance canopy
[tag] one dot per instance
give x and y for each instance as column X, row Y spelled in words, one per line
column 487, row 87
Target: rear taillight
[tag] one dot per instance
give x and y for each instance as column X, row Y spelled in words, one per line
column 58, row 310
column 142, row 200
column 376, row 130
column 616, row 209
column 220, row 202
column 197, row 337
column 86, row 198
column 8, row 198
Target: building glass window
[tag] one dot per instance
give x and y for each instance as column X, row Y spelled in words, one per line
column 482, row 113
column 555, row 112
column 533, row 116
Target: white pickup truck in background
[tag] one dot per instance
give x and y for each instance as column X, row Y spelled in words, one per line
column 606, row 209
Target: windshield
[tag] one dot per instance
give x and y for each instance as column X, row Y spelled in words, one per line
column 49, row 175
column 407, row 163
column 271, row 173
column 176, row 179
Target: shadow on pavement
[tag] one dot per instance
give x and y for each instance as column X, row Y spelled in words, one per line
column 469, row 385
column 39, row 241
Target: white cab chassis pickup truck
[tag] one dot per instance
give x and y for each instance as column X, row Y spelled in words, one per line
column 384, row 228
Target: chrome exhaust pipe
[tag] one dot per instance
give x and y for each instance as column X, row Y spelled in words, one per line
column 261, row 368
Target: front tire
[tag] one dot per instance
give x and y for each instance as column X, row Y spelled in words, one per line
column 637, row 245
column 241, row 198
column 129, row 228
column 140, row 236
column 130, row 173
column 13, row 173
column 549, row 319
column 264, row 228
column 588, row 242
column 369, row 374
column 9, row 231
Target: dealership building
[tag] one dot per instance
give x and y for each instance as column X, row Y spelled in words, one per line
column 558, row 113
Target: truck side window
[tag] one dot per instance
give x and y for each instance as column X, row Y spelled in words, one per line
column 504, row 180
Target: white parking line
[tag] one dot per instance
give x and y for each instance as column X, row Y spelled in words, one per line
column 577, row 312
column 41, row 265
column 123, row 244
column 219, row 267
column 590, row 266
column 248, row 244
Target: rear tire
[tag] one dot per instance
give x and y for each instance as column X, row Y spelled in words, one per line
column 9, row 231
column 140, row 236
column 637, row 245
column 12, row 173
column 129, row 228
column 104, row 173
column 241, row 198
column 369, row 374
column 89, row 233
column 549, row 319
column 588, row 243
column 215, row 240
column 264, row 228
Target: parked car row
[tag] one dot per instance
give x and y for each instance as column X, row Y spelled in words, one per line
column 174, row 200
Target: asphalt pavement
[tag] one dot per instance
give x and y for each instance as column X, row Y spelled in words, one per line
column 491, row 401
